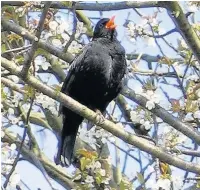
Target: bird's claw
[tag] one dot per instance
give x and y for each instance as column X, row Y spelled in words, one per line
column 100, row 118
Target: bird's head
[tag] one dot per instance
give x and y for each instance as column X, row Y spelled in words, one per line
column 105, row 28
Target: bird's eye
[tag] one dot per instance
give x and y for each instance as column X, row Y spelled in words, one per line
column 101, row 25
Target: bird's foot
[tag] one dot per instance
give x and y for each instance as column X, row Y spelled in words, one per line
column 100, row 117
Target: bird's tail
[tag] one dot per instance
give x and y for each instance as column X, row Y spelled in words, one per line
column 71, row 123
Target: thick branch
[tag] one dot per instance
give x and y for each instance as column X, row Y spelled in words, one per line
column 12, row 85
column 164, row 115
column 68, row 57
column 55, row 172
column 93, row 6
column 186, row 29
column 82, row 110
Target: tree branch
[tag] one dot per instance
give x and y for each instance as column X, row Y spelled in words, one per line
column 93, row 6
column 20, row 147
column 30, row 54
column 12, row 85
column 55, row 172
column 186, row 29
column 7, row 25
column 82, row 110
column 164, row 115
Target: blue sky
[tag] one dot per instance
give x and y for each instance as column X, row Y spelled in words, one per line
column 48, row 142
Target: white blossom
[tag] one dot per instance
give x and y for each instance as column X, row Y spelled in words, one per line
column 191, row 7
column 14, row 180
column 133, row 40
column 112, row 139
column 88, row 136
column 189, row 117
column 150, row 105
column 190, row 90
column 149, row 93
column 2, row 134
column 120, row 125
column 13, row 146
column 99, row 133
column 181, row 138
column 65, row 37
column 89, row 179
column 64, row 26
column 53, row 25
column 198, row 93
column 53, row 110
column 193, row 77
column 178, row 68
column 135, row 117
column 147, row 125
column 97, row 164
column 150, row 41
column 106, row 181
column 14, row 120
column 11, row 111
column 78, row 177
column 156, row 98
column 20, row 9
column 45, row 65
column 90, row 185
column 102, row 172
column 142, row 121
column 103, row 140
column 197, row 114
column 163, row 183
column 183, row 43
column 56, row 42
column 138, row 89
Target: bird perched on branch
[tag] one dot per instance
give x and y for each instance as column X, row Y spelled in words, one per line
column 94, row 79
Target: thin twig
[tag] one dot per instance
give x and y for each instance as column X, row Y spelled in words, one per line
column 72, row 37
column 17, row 49
column 188, row 64
column 30, row 54
column 161, row 35
column 20, row 148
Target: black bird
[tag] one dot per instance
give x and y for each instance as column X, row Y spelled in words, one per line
column 94, row 79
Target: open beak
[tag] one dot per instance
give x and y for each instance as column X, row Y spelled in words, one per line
column 110, row 24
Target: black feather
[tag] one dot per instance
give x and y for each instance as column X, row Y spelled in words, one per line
column 94, row 79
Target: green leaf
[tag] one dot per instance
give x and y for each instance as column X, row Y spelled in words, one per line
column 98, row 179
column 140, row 178
column 67, row 3
column 84, row 162
column 19, row 59
column 30, row 92
column 3, row 94
column 3, row 48
column 42, row 52
column 177, row 13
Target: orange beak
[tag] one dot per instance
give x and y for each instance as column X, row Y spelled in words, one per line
column 110, row 24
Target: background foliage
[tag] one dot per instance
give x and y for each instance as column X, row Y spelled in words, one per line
column 152, row 139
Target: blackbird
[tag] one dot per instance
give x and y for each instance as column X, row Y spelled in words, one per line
column 94, row 79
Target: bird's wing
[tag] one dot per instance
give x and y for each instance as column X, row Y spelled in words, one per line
column 77, row 62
